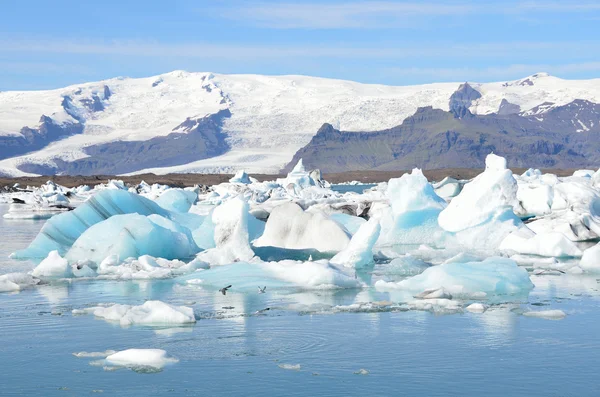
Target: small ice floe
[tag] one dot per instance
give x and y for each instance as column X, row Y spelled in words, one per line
column 547, row 314
column 150, row 313
column 476, row 308
column 103, row 354
column 437, row 306
column 13, row 282
column 361, row 371
column 141, row 360
column 293, row 367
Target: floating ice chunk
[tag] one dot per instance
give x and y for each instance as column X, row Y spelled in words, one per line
column 133, row 235
column 494, row 276
column 590, row 261
column 414, row 211
column 359, row 252
column 245, row 277
column 177, row 200
column 231, row 237
column 60, row 232
column 543, row 244
column 12, row 282
column 291, row 227
column 412, row 194
column 54, row 266
column 145, row 267
column 298, row 178
column 482, row 214
column 440, row 306
column 547, row 314
column 150, row 313
column 103, row 354
column 293, row 367
column 241, row 177
column 361, row 371
column 476, row 308
column 155, row 358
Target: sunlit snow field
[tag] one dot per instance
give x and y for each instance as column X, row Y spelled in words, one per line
column 303, row 345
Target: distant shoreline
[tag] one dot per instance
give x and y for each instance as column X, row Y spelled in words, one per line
column 214, row 179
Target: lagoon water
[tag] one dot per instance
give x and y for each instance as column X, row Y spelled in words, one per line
column 237, row 348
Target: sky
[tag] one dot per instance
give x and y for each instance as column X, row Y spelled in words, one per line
column 52, row 44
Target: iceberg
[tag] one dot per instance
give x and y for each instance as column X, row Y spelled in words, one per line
column 493, row 276
column 53, row 266
column 155, row 313
column 359, row 252
column 154, row 358
column 231, row 236
column 133, row 235
column 61, row 231
column 481, row 216
column 590, row 261
column 177, row 200
column 414, row 210
column 241, row 177
column 13, row 282
column 291, row 227
column 246, row 276
column 551, row 244
column 298, row 177
column 546, row 314
column 146, row 267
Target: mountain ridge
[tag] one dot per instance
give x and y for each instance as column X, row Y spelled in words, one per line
column 271, row 118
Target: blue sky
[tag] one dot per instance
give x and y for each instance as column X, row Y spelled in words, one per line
column 50, row 44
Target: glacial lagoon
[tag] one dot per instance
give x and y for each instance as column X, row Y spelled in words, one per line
column 238, row 348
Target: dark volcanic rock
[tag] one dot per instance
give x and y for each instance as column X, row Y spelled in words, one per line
column 463, row 97
column 561, row 137
column 508, row 108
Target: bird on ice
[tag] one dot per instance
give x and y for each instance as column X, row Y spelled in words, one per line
column 262, row 290
column 224, row 290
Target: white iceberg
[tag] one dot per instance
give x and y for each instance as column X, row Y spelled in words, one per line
column 550, row 244
column 53, row 266
column 493, row 276
column 291, row 227
column 13, row 282
column 241, row 177
column 590, row 261
column 155, row 313
column 155, row 358
column 359, row 252
column 415, row 208
column 230, row 234
column 481, row 216
column 133, row 235
column 177, row 200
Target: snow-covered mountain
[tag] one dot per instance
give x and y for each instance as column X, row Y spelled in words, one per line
column 210, row 123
